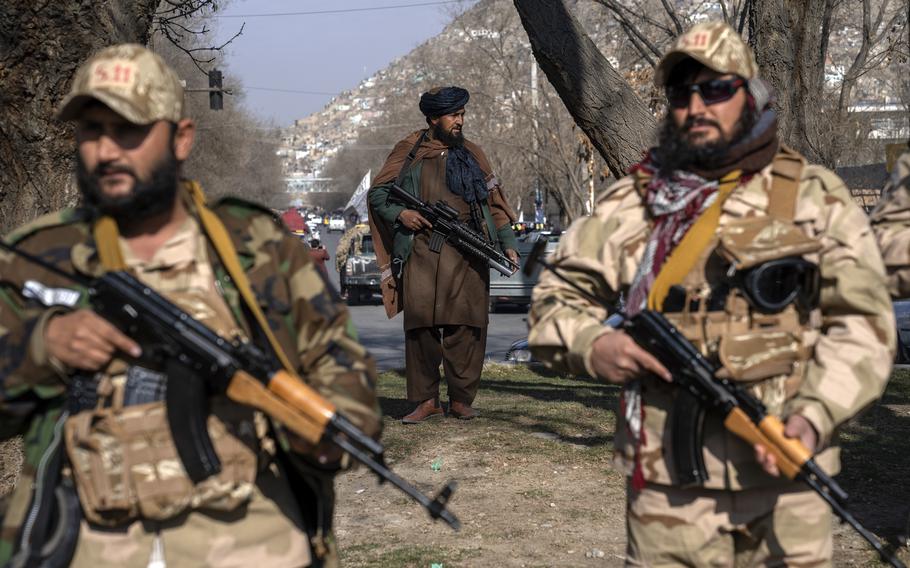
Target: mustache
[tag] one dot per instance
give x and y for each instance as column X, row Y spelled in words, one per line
column 692, row 122
column 108, row 169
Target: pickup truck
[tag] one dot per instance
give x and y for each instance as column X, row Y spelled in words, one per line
column 516, row 289
column 358, row 272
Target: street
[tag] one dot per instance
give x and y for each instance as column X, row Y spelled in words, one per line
column 384, row 337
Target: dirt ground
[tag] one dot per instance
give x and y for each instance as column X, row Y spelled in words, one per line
column 535, row 484
column 536, row 487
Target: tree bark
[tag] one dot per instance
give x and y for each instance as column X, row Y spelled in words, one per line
column 602, row 103
column 42, row 42
column 788, row 41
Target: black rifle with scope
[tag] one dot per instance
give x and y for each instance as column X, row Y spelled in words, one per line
column 702, row 391
column 448, row 229
column 246, row 373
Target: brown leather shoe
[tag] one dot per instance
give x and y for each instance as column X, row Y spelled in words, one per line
column 461, row 410
column 426, row 409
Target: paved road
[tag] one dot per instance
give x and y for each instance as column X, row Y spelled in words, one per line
column 385, row 338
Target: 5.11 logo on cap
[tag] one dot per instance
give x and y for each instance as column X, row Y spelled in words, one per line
column 116, row 73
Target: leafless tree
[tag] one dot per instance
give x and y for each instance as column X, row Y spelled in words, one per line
column 792, row 45
column 41, row 45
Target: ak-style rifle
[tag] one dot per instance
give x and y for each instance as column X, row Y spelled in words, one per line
column 703, row 391
column 242, row 370
column 448, row 229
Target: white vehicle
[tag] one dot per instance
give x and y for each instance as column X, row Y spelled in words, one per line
column 336, row 223
column 313, row 225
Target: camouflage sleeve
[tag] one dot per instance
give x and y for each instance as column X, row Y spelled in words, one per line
column 25, row 366
column 852, row 359
column 562, row 323
column 891, row 223
column 330, row 357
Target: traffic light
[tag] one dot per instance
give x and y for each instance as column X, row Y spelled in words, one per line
column 216, row 94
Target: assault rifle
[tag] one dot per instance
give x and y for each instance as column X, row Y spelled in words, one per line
column 447, row 228
column 243, row 371
column 701, row 390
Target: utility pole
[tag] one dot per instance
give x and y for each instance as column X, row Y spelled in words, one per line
column 535, row 103
column 216, row 90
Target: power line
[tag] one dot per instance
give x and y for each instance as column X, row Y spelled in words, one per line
column 340, row 11
column 289, row 91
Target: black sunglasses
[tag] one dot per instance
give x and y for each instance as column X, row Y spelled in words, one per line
column 711, row 92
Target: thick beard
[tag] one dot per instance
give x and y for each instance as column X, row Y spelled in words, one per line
column 675, row 152
column 450, row 140
column 148, row 198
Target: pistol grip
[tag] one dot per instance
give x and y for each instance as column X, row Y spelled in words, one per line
column 687, row 427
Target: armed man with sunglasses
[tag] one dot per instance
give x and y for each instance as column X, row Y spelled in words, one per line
column 766, row 265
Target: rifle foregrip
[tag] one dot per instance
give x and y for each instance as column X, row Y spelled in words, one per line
column 770, row 434
column 301, row 409
column 773, row 429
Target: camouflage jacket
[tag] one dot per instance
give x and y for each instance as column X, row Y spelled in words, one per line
column 849, row 348
column 305, row 314
column 891, row 223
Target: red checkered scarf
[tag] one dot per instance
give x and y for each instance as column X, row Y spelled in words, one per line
column 674, row 202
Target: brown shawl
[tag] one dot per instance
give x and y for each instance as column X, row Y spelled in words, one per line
column 382, row 241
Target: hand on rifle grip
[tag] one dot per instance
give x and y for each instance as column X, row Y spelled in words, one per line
column 617, row 358
column 84, row 340
column 798, row 430
column 413, row 220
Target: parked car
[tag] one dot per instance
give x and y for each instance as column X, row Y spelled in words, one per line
column 902, row 315
column 516, row 289
column 313, row 226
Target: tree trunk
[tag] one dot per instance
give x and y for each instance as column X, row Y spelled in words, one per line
column 602, row 103
column 41, row 45
column 788, row 42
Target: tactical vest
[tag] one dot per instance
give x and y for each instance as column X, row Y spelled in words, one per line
column 765, row 351
column 118, row 440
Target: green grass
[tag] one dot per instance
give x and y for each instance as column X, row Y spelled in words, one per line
column 569, row 421
column 523, row 410
column 400, row 556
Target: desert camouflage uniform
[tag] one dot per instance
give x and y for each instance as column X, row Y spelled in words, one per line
column 307, row 319
column 848, row 344
column 353, row 235
column 891, row 222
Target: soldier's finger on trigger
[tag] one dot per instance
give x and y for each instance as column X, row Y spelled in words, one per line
column 115, row 338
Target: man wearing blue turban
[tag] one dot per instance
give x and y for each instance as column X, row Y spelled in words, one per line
column 444, row 295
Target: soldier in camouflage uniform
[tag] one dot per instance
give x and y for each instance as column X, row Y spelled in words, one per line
column 353, row 235
column 891, row 222
column 719, row 195
column 271, row 505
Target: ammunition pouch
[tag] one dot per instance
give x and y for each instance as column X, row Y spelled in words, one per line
column 126, row 466
column 748, row 302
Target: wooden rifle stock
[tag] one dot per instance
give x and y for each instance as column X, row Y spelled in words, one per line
column 288, row 400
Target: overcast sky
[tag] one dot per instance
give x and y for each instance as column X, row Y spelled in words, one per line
column 320, row 53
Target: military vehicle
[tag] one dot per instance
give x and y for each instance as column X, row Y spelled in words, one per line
column 358, row 272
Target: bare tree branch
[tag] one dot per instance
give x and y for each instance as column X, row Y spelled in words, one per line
column 675, row 18
column 170, row 19
column 744, row 9
column 628, row 27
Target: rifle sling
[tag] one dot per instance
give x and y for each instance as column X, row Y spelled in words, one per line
column 692, row 245
column 410, row 158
